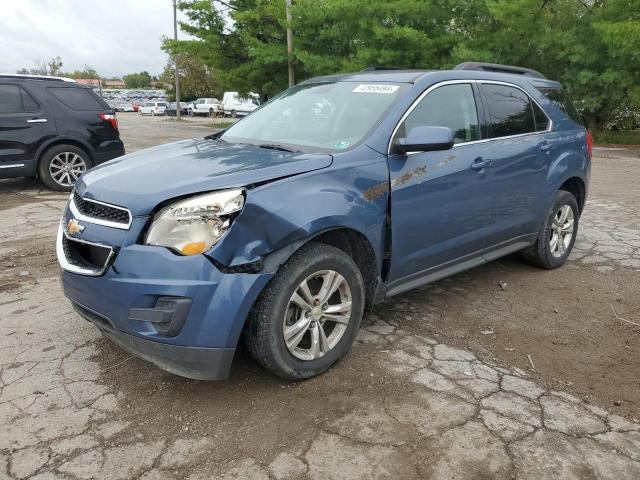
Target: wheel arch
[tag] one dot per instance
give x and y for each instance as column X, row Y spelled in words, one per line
column 352, row 242
column 576, row 186
column 44, row 148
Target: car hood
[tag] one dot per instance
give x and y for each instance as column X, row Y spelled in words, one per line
column 141, row 180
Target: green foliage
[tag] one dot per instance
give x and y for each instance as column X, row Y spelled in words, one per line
column 196, row 79
column 607, row 137
column 137, row 80
column 591, row 46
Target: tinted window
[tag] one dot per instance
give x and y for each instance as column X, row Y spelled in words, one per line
column 78, row 98
column 510, row 111
column 559, row 98
column 542, row 121
column 14, row 99
column 450, row 106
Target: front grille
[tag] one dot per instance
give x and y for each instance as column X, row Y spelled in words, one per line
column 108, row 213
column 86, row 256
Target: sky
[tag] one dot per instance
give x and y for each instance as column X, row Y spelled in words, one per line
column 115, row 37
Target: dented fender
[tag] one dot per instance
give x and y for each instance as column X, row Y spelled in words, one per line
column 290, row 211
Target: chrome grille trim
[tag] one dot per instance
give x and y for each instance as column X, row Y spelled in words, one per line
column 68, row 266
column 96, row 220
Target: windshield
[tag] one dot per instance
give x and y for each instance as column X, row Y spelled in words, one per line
column 317, row 117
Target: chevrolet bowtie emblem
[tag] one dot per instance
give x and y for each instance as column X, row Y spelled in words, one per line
column 74, row 227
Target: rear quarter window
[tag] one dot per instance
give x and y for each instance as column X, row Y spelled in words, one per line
column 81, row 99
column 560, row 100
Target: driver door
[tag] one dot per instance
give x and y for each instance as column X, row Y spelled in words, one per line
column 440, row 200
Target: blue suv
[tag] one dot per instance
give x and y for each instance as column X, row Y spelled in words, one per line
column 335, row 195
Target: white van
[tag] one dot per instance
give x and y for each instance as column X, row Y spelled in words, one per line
column 236, row 106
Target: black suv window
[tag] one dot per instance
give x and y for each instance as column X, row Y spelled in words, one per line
column 559, row 98
column 452, row 106
column 14, row 99
column 81, row 99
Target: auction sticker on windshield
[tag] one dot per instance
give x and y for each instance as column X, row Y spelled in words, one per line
column 364, row 88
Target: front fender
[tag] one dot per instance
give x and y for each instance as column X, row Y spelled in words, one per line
column 297, row 208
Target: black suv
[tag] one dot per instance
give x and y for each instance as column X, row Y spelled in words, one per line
column 54, row 128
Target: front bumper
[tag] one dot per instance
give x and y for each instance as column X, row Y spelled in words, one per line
column 137, row 277
column 198, row 363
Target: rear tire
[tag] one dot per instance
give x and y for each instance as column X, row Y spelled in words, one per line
column 61, row 166
column 331, row 319
column 558, row 235
column 190, row 112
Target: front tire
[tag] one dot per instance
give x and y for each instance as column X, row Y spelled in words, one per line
column 308, row 316
column 62, row 165
column 234, row 114
column 558, row 235
column 190, row 112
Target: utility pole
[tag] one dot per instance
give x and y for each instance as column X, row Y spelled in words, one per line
column 292, row 79
column 175, row 60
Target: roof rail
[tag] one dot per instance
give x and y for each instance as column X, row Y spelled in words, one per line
column 379, row 68
column 496, row 67
column 37, row 77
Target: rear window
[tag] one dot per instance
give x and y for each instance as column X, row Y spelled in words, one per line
column 82, row 99
column 14, row 99
column 510, row 111
column 559, row 98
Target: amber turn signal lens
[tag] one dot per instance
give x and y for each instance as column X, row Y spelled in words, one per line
column 193, row 248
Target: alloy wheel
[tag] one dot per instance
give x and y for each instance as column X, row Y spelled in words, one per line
column 562, row 230
column 317, row 315
column 66, row 167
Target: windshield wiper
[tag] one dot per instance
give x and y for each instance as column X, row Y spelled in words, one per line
column 275, row 146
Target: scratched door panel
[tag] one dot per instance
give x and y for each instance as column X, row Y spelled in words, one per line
column 441, row 207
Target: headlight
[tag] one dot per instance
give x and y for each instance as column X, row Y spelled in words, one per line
column 196, row 224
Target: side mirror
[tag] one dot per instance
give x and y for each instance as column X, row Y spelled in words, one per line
column 426, row 139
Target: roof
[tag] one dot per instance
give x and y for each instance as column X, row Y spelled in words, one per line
column 468, row 70
column 399, row 76
column 36, row 77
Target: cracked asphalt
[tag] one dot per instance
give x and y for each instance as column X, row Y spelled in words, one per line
column 438, row 384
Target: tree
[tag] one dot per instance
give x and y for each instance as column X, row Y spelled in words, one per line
column 52, row 67
column 196, row 79
column 591, row 46
column 137, row 80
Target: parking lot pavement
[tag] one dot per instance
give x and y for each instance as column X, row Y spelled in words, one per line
column 437, row 385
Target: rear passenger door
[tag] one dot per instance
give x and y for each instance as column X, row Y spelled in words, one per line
column 23, row 127
column 521, row 156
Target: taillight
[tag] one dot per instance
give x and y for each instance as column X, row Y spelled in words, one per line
column 111, row 118
column 589, row 144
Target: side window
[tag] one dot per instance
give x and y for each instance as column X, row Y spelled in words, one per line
column 80, row 99
column 510, row 111
column 450, row 106
column 559, row 98
column 542, row 121
column 14, row 99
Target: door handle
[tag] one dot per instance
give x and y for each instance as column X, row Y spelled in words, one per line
column 545, row 146
column 37, row 120
column 480, row 163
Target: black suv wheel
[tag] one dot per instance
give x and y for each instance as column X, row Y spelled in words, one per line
column 62, row 165
column 308, row 317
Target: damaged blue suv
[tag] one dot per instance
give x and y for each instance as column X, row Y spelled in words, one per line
column 335, row 195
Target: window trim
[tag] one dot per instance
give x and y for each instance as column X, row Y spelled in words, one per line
column 470, row 82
